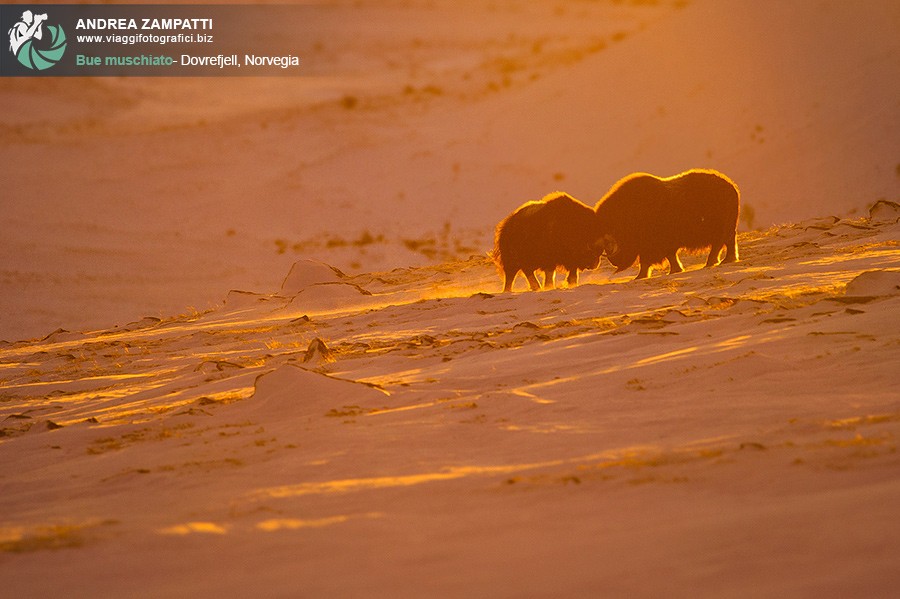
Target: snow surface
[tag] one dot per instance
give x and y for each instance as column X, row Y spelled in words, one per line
column 251, row 344
column 732, row 430
column 418, row 127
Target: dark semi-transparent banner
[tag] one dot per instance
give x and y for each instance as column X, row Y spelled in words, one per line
column 151, row 40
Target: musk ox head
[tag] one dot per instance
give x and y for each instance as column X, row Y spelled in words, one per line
column 587, row 255
column 606, row 244
column 618, row 255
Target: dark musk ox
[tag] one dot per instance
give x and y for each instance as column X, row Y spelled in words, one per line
column 555, row 232
column 650, row 219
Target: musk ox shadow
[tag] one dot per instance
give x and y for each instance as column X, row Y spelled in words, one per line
column 649, row 219
column 555, row 232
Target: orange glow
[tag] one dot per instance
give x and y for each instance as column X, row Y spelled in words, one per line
column 277, row 524
column 678, row 353
column 208, row 528
column 384, row 482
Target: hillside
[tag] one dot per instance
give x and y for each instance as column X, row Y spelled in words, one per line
column 413, row 432
column 416, row 127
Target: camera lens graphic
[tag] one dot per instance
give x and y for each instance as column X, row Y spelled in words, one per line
column 44, row 58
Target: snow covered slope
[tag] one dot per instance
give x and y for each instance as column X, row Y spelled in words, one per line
column 412, row 432
column 419, row 126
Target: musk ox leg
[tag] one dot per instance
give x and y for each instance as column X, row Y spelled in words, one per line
column 549, row 282
column 532, row 281
column 731, row 251
column 675, row 265
column 647, row 263
column 645, row 270
column 572, row 279
column 509, row 277
column 714, row 252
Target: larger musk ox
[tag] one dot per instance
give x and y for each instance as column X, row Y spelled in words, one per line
column 555, row 232
column 648, row 219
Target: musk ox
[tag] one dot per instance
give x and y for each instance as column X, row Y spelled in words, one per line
column 649, row 219
column 555, row 232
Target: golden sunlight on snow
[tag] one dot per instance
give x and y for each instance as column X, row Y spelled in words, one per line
column 252, row 342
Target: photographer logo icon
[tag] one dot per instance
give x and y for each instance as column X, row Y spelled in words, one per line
column 31, row 48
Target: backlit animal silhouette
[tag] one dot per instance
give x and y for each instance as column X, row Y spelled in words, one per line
column 555, row 232
column 648, row 219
